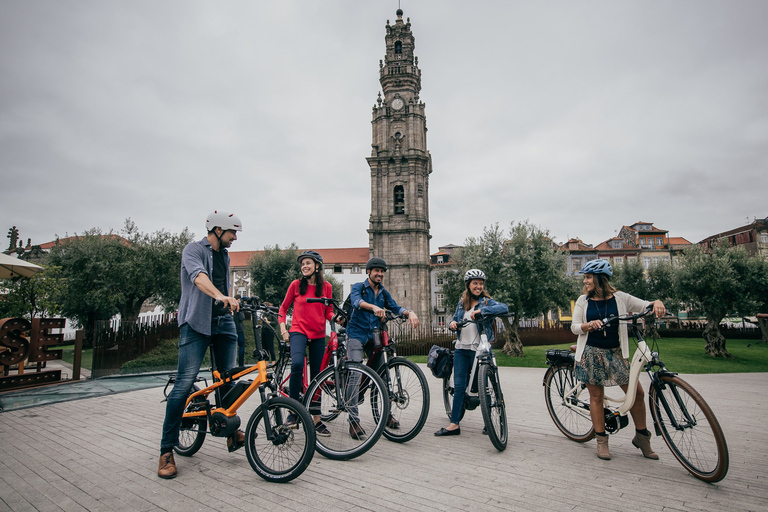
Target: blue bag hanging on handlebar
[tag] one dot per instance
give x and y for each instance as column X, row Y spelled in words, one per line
column 440, row 362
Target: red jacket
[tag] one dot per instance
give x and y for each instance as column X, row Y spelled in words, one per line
column 308, row 319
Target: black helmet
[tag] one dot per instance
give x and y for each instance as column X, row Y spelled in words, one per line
column 312, row 255
column 376, row 263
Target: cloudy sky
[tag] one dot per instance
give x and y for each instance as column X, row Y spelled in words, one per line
column 579, row 116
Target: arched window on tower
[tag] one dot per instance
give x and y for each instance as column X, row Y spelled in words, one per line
column 399, row 200
column 398, row 47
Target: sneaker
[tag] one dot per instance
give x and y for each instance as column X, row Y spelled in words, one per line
column 167, row 467
column 356, row 431
column 321, row 430
column 292, row 421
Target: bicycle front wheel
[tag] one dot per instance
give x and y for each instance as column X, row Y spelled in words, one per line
column 492, row 406
column 192, row 431
column 409, row 400
column 287, row 453
column 690, row 429
column 354, row 409
column 568, row 403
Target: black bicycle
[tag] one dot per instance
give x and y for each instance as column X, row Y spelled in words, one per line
column 484, row 388
column 680, row 415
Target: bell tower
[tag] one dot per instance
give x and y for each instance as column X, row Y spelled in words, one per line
column 400, row 166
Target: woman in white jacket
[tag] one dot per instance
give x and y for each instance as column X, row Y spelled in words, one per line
column 602, row 353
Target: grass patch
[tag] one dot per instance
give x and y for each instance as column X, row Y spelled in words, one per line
column 681, row 355
column 68, row 356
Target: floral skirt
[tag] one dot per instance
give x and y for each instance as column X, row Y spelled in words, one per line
column 602, row 367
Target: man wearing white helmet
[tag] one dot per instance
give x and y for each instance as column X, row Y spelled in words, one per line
column 204, row 280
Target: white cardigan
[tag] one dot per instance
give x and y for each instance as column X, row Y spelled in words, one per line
column 625, row 303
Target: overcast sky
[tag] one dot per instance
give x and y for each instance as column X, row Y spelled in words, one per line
column 579, row 116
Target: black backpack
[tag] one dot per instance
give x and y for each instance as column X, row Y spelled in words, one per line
column 440, row 361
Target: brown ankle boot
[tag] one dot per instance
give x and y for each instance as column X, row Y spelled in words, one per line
column 643, row 442
column 602, row 448
column 167, row 467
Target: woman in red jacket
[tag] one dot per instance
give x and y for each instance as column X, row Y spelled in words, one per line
column 307, row 325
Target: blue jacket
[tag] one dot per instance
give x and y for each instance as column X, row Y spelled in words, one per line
column 487, row 307
column 363, row 322
column 195, row 307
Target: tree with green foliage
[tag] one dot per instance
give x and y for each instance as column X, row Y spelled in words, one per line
column 272, row 271
column 523, row 270
column 338, row 286
column 33, row 297
column 105, row 274
column 719, row 283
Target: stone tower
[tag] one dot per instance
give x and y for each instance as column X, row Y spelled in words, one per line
column 400, row 167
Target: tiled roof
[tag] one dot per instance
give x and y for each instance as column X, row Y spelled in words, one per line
column 678, row 240
column 61, row 241
column 330, row 256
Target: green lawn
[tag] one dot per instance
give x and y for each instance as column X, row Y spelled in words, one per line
column 68, row 355
column 681, row 355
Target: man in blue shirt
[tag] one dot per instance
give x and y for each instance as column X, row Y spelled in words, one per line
column 204, row 279
column 370, row 300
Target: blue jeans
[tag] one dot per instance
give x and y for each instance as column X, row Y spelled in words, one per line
column 462, row 364
column 299, row 344
column 192, row 348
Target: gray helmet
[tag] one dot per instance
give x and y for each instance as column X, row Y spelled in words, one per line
column 376, row 263
column 314, row 255
column 597, row 267
column 474, row 273
column 224, row 220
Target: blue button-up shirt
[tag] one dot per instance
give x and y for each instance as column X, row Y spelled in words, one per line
column 195, row 307
column 363, row 322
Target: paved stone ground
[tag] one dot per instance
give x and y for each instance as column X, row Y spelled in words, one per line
column 102, row 453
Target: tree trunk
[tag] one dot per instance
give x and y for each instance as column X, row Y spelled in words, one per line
column 715, row 341
column 650, row 327
column 513, row 346
column 762, row 322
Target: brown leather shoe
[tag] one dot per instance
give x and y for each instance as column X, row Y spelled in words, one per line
column 167, row 467
column 356, row 431
column 392, row 423
column 236, row 441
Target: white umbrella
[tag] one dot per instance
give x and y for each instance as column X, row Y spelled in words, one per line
column 14, row 267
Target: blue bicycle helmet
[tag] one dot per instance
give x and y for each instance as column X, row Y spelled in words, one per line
column 597, row 267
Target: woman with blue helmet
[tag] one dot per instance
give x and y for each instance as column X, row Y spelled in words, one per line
column 602, row 353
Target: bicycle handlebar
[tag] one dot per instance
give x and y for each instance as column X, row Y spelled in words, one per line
column 479, row 318
column 327, row 301
column 610, row 320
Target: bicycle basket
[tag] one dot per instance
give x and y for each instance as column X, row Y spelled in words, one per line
column 558, row 357
column 440, row 361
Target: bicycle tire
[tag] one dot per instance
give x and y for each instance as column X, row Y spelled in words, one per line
column 492, row 406
column 409, row 400
column 700, row 448
column 341, row 445
column 192, row 430
column 575, row 426
column 289, row 452
column 448, row 398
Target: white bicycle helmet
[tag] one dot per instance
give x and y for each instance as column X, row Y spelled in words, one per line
column 224, row 220
column 474, row 273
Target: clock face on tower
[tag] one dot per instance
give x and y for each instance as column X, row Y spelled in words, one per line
column 397, row 103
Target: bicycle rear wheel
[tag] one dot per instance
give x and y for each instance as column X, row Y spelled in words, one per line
column 192, row 431
column 448, row 398
column 572, row 419
column 690, row 429
column 492, row 406
column 409, row 400
column 289, row 451
column 354, row 425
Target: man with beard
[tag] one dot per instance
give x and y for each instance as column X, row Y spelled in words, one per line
column 370, row 300
column 204, row 281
